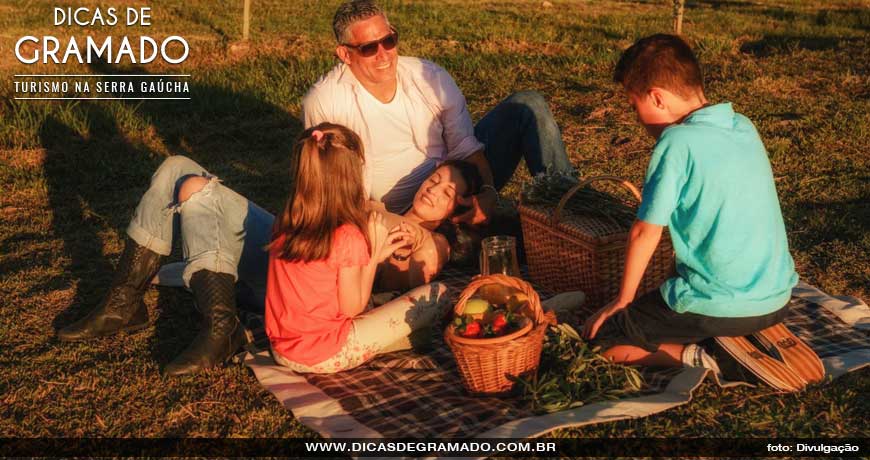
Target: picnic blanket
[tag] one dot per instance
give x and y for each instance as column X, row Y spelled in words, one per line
column 405, row 394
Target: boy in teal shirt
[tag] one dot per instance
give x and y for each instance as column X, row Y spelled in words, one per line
column 710, row 182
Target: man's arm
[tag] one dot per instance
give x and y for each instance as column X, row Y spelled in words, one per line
column 642, row 242
column 313, row 112
column 458, row 129
column 483, row 204
column 463, row 145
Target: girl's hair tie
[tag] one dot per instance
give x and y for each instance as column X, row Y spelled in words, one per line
column 317, row 134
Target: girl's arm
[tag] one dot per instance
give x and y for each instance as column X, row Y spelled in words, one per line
column 355, row 288
column 355, row 283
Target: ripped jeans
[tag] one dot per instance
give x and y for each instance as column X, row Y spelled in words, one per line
column 224, row 232
column 220, row 230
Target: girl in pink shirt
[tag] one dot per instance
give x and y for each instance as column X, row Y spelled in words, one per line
column 323, row 258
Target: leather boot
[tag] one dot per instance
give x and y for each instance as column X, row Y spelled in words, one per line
column 122, row 308
column 221, row 333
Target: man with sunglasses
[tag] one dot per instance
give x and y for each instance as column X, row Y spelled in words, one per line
column 411, row 117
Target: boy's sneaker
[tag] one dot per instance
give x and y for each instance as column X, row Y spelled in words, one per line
column 732, row 370
column 794, row 352
column 695, row 356
column 722, row 364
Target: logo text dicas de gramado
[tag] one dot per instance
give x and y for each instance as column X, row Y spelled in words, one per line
column 173, row 49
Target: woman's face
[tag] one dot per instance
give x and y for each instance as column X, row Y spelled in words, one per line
column 436, row 198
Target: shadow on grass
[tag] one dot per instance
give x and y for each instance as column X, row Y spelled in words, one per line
column 84, row 178
column 824, row 220
column 95, row 181
column 854, row 18
column 718, row 4
column 776, row 44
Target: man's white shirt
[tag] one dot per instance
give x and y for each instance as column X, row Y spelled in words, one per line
column 399, row 166
column 426, row 123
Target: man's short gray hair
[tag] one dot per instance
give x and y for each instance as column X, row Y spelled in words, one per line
column 350, row 12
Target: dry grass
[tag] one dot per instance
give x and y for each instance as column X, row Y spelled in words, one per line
column 72, row 172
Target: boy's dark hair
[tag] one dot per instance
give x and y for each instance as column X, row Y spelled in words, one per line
column 663, row 61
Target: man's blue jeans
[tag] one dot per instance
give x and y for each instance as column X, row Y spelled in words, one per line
column 522, row 126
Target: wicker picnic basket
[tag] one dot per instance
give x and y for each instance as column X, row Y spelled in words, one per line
column 484, row 364
column 567, row 251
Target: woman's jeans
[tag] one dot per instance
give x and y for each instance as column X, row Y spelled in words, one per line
column 220, row 230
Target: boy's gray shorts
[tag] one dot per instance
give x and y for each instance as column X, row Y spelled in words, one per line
column 649, row 322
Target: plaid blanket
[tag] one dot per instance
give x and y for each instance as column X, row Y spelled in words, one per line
column 406, row 394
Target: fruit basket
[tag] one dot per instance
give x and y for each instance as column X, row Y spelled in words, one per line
column 487, row 362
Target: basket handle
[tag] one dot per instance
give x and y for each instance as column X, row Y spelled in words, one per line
column 557, row 213
column 482, row 280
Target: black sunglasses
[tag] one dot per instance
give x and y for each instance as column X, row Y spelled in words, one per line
column 371, row 48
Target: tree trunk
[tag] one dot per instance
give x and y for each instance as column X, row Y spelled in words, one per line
column 246, row 20
column 679, row 6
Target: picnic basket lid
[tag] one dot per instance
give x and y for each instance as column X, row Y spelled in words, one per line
column 571, row 217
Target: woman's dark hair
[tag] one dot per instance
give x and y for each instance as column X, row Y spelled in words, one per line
column 471, row 176
column 464, row 239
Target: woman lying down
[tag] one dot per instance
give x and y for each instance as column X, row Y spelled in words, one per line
column 223, row 236
column 434, row 203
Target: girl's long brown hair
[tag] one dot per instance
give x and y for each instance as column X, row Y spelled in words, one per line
column 326, row 193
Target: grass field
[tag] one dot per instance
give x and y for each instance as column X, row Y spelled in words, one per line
column 71, row 173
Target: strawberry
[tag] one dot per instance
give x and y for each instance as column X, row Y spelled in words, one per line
column 472, row 329
column 499, row 323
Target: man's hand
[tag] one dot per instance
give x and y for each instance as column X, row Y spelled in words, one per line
column 594, row 322
column 482, row 207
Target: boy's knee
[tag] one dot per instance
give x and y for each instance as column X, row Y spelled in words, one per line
column 627, row 354
column 190, row 186
column 618, row 353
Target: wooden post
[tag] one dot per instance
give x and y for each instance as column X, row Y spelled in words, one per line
column 246, row 20
column 679, row 6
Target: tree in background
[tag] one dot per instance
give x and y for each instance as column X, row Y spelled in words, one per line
column 679, row 6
